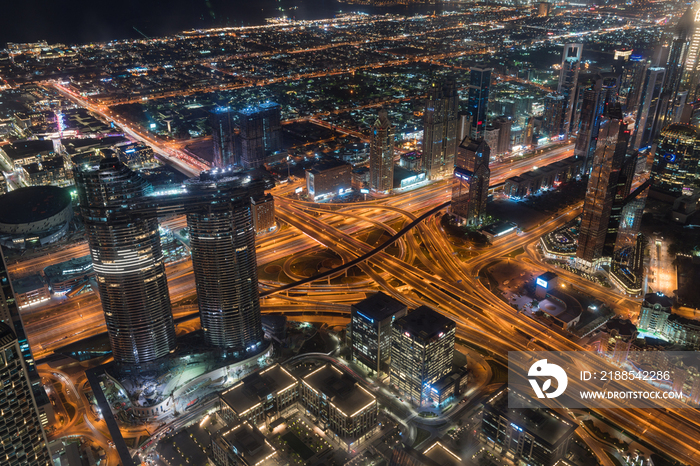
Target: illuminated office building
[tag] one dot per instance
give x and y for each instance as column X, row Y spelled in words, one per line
column 422, row 349
column 470, row 184
column 221, row 120
column 568, row 80
column 128, row 261
column 440, row 121
column 23, row 439
column 479, row 86
column 344, row 408
column 554, row 108
column 524, row 432
column 381, row 155
column 602, row 187
column 371, row 321
column 676, row 159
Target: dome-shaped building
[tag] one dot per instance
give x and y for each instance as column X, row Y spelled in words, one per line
column 34, row 216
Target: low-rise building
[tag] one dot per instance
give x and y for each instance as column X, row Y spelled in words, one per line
column 340, row 405
column 51, row 171
column 328, row 178
column 30, row 290
column 526, row 433
column 66, row 276
column 21, row 153
column 404, row 177
column 451, row 386
column 499, row 231
column 261, row 397
column 242, row 444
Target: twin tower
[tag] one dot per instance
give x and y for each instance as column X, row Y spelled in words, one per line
column 120, row 211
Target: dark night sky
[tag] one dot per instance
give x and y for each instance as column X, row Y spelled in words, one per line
column 82, row 21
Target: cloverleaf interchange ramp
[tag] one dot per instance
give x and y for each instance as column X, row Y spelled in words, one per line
column 360, row 259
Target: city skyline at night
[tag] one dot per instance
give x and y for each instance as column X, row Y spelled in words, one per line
column 346, row 233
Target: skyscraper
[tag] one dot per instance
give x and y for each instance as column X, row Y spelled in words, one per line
column 381, row 155
column 222, row 238
column 598, row 92
column 9, row 314
column 589, row 121
column 477, row 105
column 223, row 138
column 554, row 108
column 272, row 126
column 504, row 125
column 440, row 128
column 470, row 185
column 23, row 440
column 673, row 77
column 261, row 133
column 371, row 321
column 422, row 349
column 128, row 260
column 687, row 29
column 650, row 110
column 251, row 144
column 568, row 79
column 121, row 212
column 601, row 190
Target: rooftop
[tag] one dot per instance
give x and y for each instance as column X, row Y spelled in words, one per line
column 341, row 389
column 658, row 298
column 521, row 411
column 76, row 266
column 379, row 307
column 425, row 323
column 442, row 455
column 32, row 204
column 255, row 388
column 29, row 283
column 547, row 276
column 327, row 163
column 248, row 443
column 21, row 149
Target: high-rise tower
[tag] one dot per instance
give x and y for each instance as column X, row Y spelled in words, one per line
column 261, row 133
column 221, row 120
column 598, row 92
column 470, row 185
column 381, row 155
column 602, row 183
column 222, row 237
column 687, row 29
column 479, row 86
column 650, row 111
column 440, row 128
column 128, row 260
column 121, row 211
column 23, row 440
column 568, row 79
